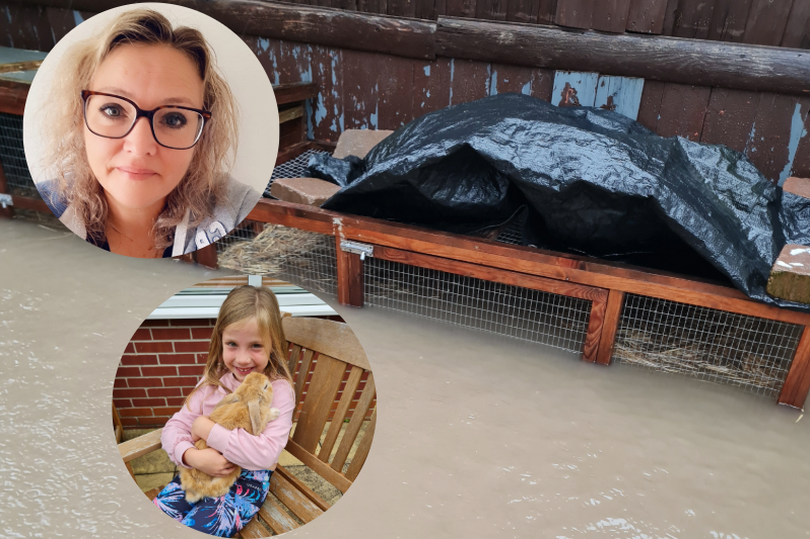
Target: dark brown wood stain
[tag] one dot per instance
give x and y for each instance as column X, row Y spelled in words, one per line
column 728, row 20
column 574, row 13
column 646, row 16
column 767, row 146
column 766, row 21
column 730, row 117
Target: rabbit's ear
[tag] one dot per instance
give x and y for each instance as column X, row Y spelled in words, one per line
column 230, row 398
column 255, row 417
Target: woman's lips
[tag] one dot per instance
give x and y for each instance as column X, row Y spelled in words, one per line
column 135, row 173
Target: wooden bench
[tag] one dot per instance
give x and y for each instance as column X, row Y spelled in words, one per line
column 328, row 365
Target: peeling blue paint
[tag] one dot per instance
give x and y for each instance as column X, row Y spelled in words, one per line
column 8, row 14
column 334, row 69
column 493, row 81
column 320, row 111
column 452, row 75
column 77, row 17
column 797, row 132
column 427, row 94
column 264, row 43
column 751, row 137
column 527, row 88
column 427, row 70
column 310, row 127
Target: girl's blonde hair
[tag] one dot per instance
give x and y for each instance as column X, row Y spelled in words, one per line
column 244, row 303
column 205, row 183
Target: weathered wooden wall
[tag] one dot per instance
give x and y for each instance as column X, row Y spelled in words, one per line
column 764, row 22
column 360, row 89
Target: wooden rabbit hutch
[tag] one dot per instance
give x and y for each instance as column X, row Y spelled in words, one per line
column 721, row 72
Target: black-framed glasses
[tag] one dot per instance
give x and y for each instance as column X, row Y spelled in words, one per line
column 113, row 116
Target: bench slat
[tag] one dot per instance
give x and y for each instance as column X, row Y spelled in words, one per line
column 362, row 449
column 141, row 445
column 275, row 517
column 356, row 422
column 327, row 337
column 320, row 468
column 295, row 501
column 340, row 413
column 302, row 488
column 253, row 529
column 306, row 362
column 320, row 394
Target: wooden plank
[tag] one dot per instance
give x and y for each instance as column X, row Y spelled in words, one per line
column 526, row 260
column 801, row 162
column 340, row 413
column 728, row 20
column 547, row 11
column 206, row 256
column 301, row 487
column 683, row 110
column 620, row 94
column 294, row 92
column 394, row 107
column 671, row 14
column 693, row 19
column 402, row 8
column 334, row 339
column 429, row 9
column 766, row 22
column 466, row 269
column 797, row 30
column 507, row 78
column 294, row 62
column 491, row 9
column 300, row 505
column 254, row 528
column 595, row 322
column 62, row 21
column 12, row 96
column 768, row 144
column 574, row 13
column 288, row 115
column 306, row 24
column 13, row 67
column 460, row 8
column 141, row 445
column 327, row 74
column 469, row 81
column 523, row 11
column 650, row 108
column 730, row 117
column 26, row 27
column 610, row 326
column 324, row 470
column 610, row 15
column 574, row 89
column 353, row 428
column 291, row 133
column 797, row 383
column 349, row 277
column 320, row 395
column 360, row 91
column 362, row 449
column 306, row 363
column 372, row 6
column 431, row 85
column 646, row 16
column 27, row 203
column 685, row 61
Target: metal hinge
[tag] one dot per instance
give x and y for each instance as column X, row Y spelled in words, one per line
column 6, row 201
column 355, row 247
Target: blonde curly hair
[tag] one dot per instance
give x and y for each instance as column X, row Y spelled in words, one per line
column 205, row 182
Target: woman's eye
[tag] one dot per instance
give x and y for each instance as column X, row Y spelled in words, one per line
column 112, row 111
column 174, row 120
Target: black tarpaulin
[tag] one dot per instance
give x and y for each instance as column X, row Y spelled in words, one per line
column 593, row 181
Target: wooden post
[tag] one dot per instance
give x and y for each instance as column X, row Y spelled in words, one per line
column 206, row 256
column 595, row 327
column 9, row 211
column 349, row 276
column 613, row 314
column 797, row 383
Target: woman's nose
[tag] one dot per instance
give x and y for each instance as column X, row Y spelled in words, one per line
column 140, row 139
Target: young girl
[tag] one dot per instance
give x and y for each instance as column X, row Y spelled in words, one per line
column 247, row 337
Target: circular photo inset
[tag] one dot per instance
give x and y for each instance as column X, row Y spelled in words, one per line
column 244, row 404
column 151, row 130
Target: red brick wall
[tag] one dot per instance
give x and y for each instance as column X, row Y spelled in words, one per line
column 160, row 366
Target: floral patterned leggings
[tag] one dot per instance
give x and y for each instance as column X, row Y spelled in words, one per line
column 223, row 516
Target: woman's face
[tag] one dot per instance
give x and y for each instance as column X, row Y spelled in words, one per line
column 135, row 171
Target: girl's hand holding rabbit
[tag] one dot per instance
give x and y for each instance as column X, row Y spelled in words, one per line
column 201, row 428
column 208, row 460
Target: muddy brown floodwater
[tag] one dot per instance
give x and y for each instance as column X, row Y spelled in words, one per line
column 477, row 435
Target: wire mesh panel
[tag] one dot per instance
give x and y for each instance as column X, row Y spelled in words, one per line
column 525, row 314
column 745, row 351
column 12, row 156
column 294, row 168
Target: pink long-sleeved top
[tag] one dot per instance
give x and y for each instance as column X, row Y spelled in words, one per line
column 237, row 446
